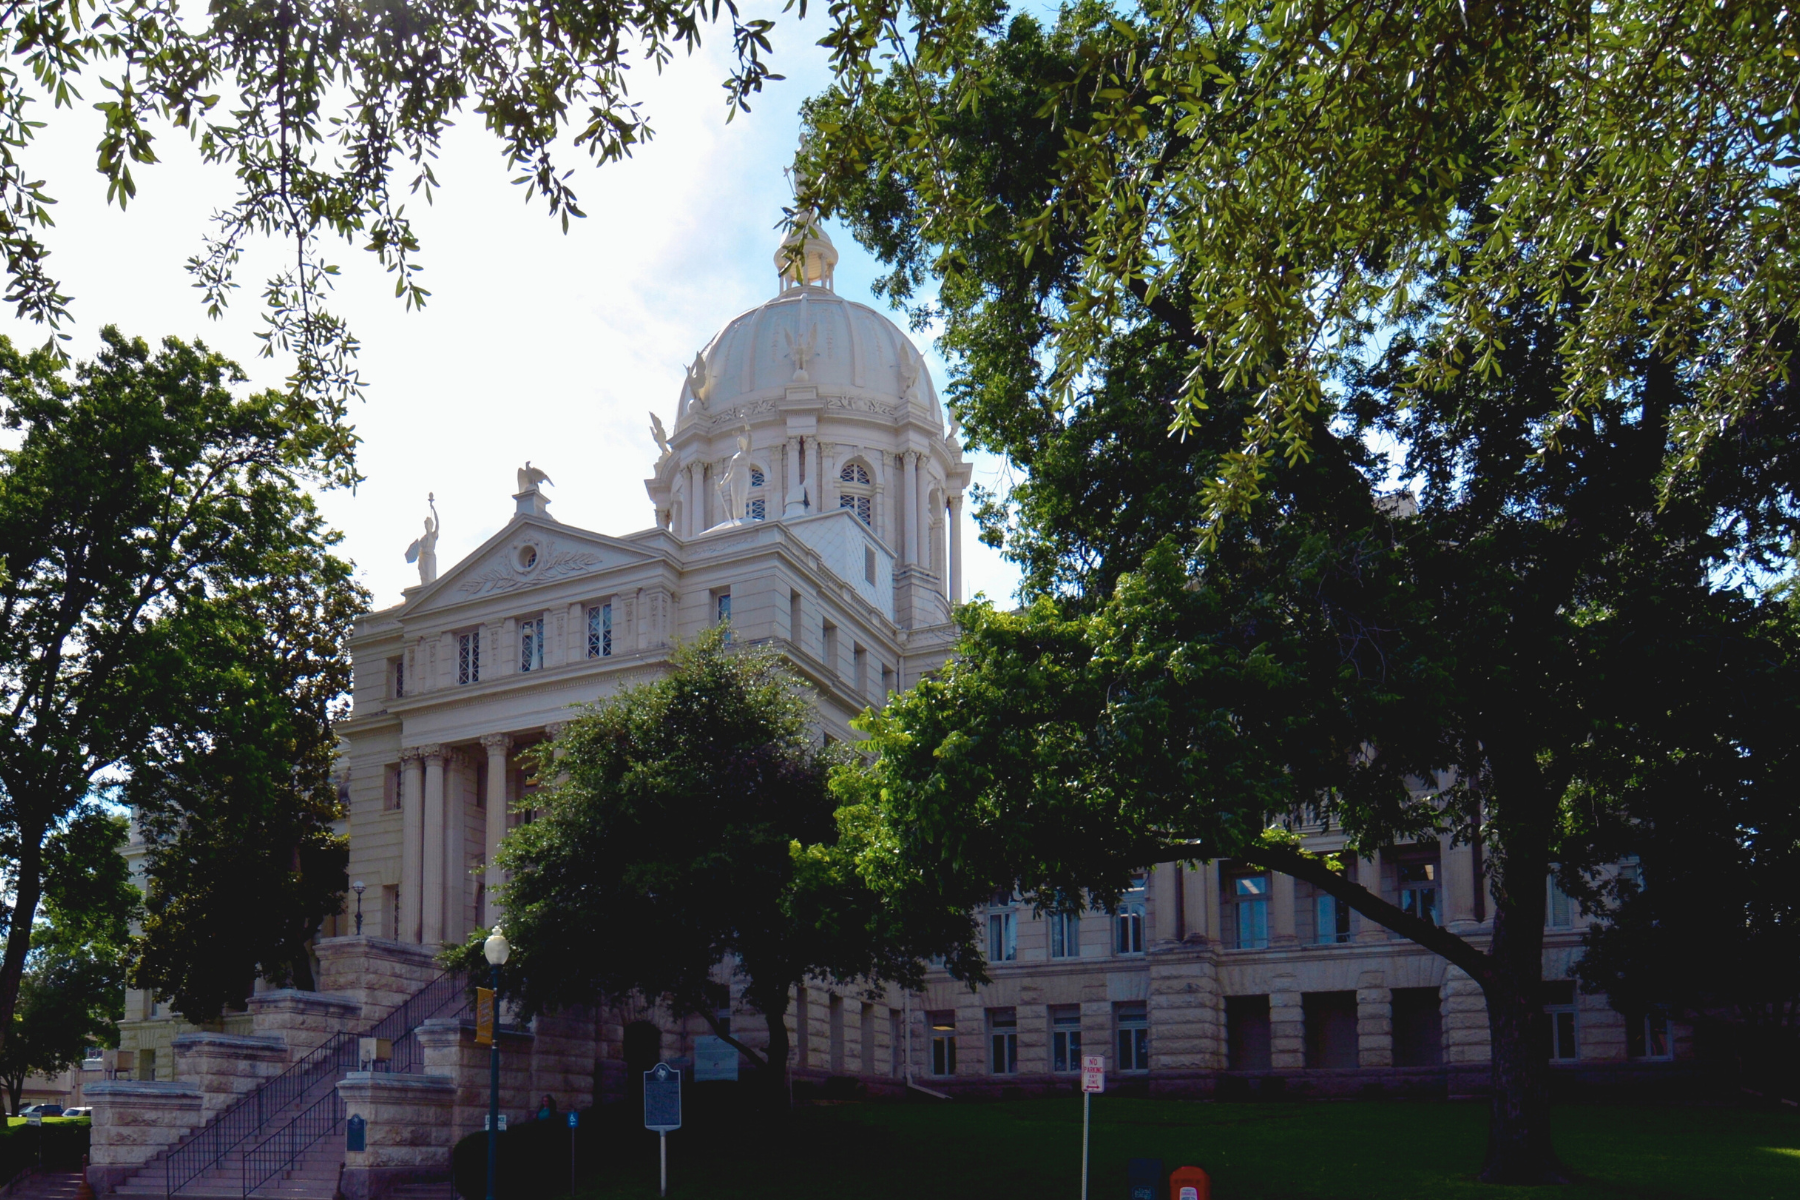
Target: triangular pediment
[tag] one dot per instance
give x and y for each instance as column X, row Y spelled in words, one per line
column 528, row 552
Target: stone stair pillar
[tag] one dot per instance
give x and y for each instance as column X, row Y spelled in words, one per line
column 374, row 972
column 135, row 1120
column 408, row 1137
column 304, row 1021
column 224, row 1066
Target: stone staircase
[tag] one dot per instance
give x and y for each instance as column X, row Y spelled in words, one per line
column 45, row 1185
column 284, row 1140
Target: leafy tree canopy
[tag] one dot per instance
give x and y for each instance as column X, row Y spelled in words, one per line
column 684, row 851
column 1469, row 602
column 1278, row 179
column 171, row 609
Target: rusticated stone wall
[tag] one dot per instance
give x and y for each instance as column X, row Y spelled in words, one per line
column 408, row 1135
column 135, row 1120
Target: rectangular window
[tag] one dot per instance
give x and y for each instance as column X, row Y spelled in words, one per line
column 1003, row 936
column 1559, row 911
column 1128, row 929
column 1248, row 896
column 1132, row 1021
column 1419, row 889
column 830, row 652
column 1418, row 1027
column 531, row 645
column 896, row 1051
column 943, row 1042
column 1247, row 1032
column 722, row 612
column 1559, row 1020
column 1065, row 1038
column 859, row 667
column 468, row 657
column 600, row 631
column 1333, row 920
column 869, row 564
column 1330, row 1024
column 1065, row 935
column 796, row 617
column 837, row 1034
column 887, row 679
column 390, row 905
column 1647, row 1035
column 1003, row 1041
column 399, row 678
column 393, row 786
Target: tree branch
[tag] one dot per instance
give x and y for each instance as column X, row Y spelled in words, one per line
column 712, row 1021
column 1441, row 942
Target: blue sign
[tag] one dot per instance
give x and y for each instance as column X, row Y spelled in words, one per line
column 714, row 1058
column 574, row 1120
column 1145, row 1176
column 662, row 1098
column 356, row 1134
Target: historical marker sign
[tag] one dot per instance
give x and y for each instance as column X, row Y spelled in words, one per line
column 662, row 1098
column 356, row 1134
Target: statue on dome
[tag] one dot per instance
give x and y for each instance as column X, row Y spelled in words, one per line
column 660, row 434
column 424, row 548
column 734, row 485
column 802, row 350
column 530, row 477
column 696, row 378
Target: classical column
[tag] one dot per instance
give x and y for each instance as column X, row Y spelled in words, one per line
column 955, row 538
column 1459, row 884
column 1368, row 874
column 412, row 843
column 793, row 501
column 1209, row 875
column 1282, row 931
column 914, row 510
column 456, row 834
column 431, row 881
column 696, row 500
column 827, row 498
column 498, row 745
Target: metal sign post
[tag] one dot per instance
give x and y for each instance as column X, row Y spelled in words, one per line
column 662, row 1111
column 574, row 1121
column 1093, row 1079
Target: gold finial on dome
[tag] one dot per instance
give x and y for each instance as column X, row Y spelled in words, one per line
column 806, row 255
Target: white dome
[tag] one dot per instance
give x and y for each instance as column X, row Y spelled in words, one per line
column 808, row 336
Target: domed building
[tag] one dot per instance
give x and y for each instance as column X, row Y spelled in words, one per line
column 808, row 490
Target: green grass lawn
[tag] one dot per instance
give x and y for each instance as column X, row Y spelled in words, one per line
column 1317, row 1151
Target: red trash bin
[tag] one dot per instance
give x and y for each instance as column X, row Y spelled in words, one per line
column 1189, row 1183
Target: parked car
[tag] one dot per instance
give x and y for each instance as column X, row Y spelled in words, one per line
column 78, row 1112
column 41, row 1110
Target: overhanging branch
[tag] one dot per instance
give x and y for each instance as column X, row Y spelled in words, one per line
column 1288, row 861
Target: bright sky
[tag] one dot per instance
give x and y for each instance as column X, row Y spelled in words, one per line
column 535, row 345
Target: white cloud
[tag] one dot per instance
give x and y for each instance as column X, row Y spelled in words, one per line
column 534, row 344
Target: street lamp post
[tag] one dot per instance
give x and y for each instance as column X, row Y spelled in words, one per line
column 357, row 887
column 496, row 949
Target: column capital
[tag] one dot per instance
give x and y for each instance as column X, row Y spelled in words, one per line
column 410, row 754
column 497, row 743
column 555, row 729
column 432, row 750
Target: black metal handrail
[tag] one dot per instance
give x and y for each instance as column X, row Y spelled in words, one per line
column 326, row 1064
column 277, row 1152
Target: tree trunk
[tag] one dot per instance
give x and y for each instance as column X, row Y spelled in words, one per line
column 775, row 1076
column 29, row 885
column 1519, row 1150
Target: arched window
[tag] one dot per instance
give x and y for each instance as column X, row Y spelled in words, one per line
column 856, row 492
column 757, row 508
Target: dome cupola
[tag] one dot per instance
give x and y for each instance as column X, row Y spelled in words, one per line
column 806, row 256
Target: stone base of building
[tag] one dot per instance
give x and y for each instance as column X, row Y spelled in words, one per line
column 374, row 1183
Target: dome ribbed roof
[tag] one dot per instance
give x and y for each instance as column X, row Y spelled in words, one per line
column 808, row 335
